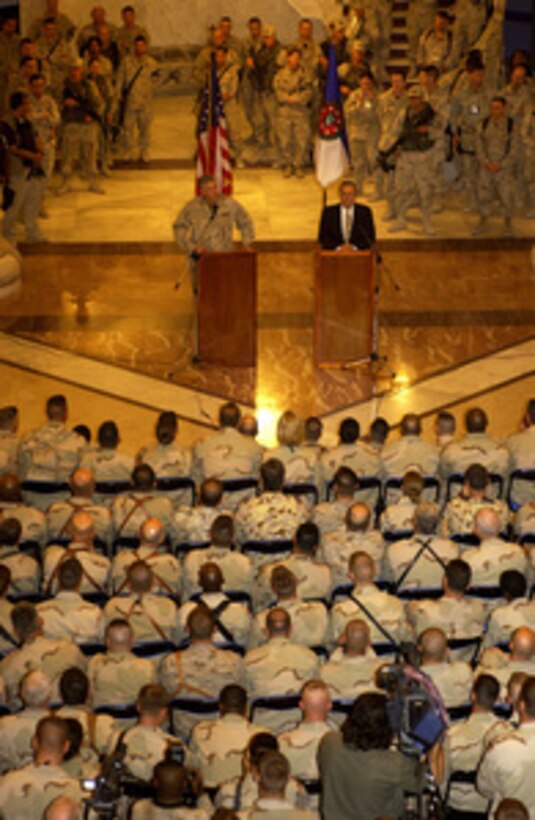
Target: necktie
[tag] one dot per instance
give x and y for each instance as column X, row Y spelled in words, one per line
column 347, row 224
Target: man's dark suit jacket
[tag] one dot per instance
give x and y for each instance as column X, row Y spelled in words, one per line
column 362, row 231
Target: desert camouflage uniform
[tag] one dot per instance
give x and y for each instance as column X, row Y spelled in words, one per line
column 359, row 457
column 217, row 747
column 117, row 677
column 466, row 742
column 409, row 453
column 349, row 677
column 168, row 461
column 391, row 109
column 453, row 680
column 314, row 579
column 138, row 113
column 152, row 617
column 199, row 672
column 331, row 515
column 279, row 668
column 268, row 61
column 301, row 465
column 419, row 19
column 6, row 624
column 293, row 92
column 505, row 619
column 363, row 130
column 67, row 617
column 9, row 60
column 399, row 516
column 468, row 109
column 527, row 133
column 131, row 510
column 378, row 27
column 427, row 571
column 125, row 38
column 339, row 545
column 60, row 515
column 95, row 567
column 65, row 28
column 491, row 558
column 25, row 571
column 26, row 792
column 387, row 611
column 17, row 732
column 56, row 57
column 108, row 465
column 439, row 100
column 32, row 521
column 98, row 729
column 524, row 522
column 271, row 516
column 9, row 452
column 234, row 617
column 521, row 446
column 229, row 84
column 457, row 618
column 310, row 623
column 470, row 20
column 237, row 569
column 51, row 657
column 460, row 513
column 496, row 663
column 165, row 569
column 146, row 746
column 300, row 745
column 497, row 142
column 228, row 798
column 507, row 768
column 248, row 49
column 192, row 525
column 49, row 454
column 437, row 51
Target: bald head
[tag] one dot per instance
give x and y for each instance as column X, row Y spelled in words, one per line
column 10, row 488
column 523, row 644
column 426, row 518
column 358, row 517
column 356, row 638
column 63, row 808
column 82, row 483
column 51, row 738
column 35, row 689
column 315, row 701
column 201, row 624
column 278, row 623
column 152, row 532
column 361, row 568
column 211, row 492
column 82, row 528
column 486, row 523
column 283, row 583
column 433, row 645
column 211, row 577
column 248, row 426
column 139, row 577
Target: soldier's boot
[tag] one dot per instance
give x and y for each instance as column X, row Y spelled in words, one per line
column 507, row 226
column 481, row 227
column 95, row 188
column 287, row 172
column 428, row 225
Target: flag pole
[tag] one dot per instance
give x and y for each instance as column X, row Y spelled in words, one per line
column 210, row 112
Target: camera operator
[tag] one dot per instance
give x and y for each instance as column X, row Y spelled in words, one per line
column 174, row 788
column 26, row 179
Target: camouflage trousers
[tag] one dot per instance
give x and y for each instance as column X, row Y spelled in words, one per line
column 265, row 119
column 418, row 21
column 79, row 142
column 468, row 170
column 138, row 123
column 26, row 204
column 529, row 172
column 363, row 157
column 414, row 175
column 293, row 135
column 500, row 185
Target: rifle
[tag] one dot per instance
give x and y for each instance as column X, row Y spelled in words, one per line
column 121, row 111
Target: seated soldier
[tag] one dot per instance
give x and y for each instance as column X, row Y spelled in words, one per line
column 521, row 658
column 192, row 525
column 130, row 510
column 18, row 730
column 352, row 667
column 237, row 569
column 97, row 730
column 409, row 452
column 7, row 639
column 453, row 679
column 300, row 745
column 517, row 611
column 106, row 462
column 116, row 676
column 167, row 458
column 314, row 578
column 67, row 616
column 274, row 774
column 309, row 618
column 201, row 670
column 36, row 652
column 152, row 617
column 352, row 453
column 59, row 515
column 459, row 516
column 356, row 536
column 382, row 612
column 25, row 574
column 399, row 516
column 27, row 792
column 95, row 567
column 32, row 521
column 330, row 515
column 301, row 463
column 278, row 669
column 457, row 456
column 232, row 619
column 521, row 447
column 9, row 442
column 494, row 555
column 172, row 784
column 164, row 566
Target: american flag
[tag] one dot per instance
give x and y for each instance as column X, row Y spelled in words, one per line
column 213, row 153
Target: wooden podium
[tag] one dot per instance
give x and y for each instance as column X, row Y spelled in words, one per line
column 343, row 326
column 227, row 308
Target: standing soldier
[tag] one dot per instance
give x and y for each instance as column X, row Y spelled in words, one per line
column 470, row 20
column 351, row 73
column 64, row 26
column 435, row 46
column 414, row 168
column 56, row 55
column 363, row 129
column 9, row 57
column 250, row 46
column 438, row 99
column 130, row 31
column 378, row 27
column 391, row 107
column 337, row 38
column 518, row 94
column 293, row 91
column 469, row 107
column 496, row 151
column 135, row 91
column 98, row 18
column 44, row 114
column 527, row 134
column 103, row 87
column 419, row 19
column 228, row 75
column 268, row 60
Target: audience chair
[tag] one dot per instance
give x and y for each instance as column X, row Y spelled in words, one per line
column 118, row 711
column 184, row 547
column 455, row 482
column 202, row 708
column 275, row 703
column 519, row 477
column 90, row 648
column 168, row 485
column 431, row 482
column 368, row 482
column 301, row 490
column 267, row 548
column 151, row 649
column 110, row 489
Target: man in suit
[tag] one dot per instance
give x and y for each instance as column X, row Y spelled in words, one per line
column 347, row 226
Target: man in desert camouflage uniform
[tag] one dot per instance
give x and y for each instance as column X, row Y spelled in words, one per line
column 521, row 447
column 67, row 616
column 352, row 667
column 49, row 455
column 459, row 514
column 527, row 135
column 200, row 671
column 352, row 453
column 131, row 510
column 192, row 525
column 452, row 678
column 314, row 577
column 365, row 601
column 98, row 730
column 410, row 452
column 439, row 100
column 168, row 459
column 25, row 572
column 419, row 18
column 217, row 746
column 117, row 675
column 476, row 447
column 28, row 791
column 136, row 80
column 524, row 523
column 106, row 462
column 237, row 569
column 521, row 659
column 95, row 567
column 98, row 16
column 268, row 60
column 36, row 652
column 32, row 521
column 293, row 92
column 391, row 108
column 435, row 46
column 165, row 567
column 64, row 25
column 517, row 610
column 330, row 515
column 60, row 514
column 9, row 56
column 228, row 76
column 9, row 440
column 18, row 730
column 493, row 555
column 363, row 129
column 130, row 30
column 251, row 44
column 56, row 55
column 152, row 617
column 279, row 668
column 338, row 545
column 309, row 618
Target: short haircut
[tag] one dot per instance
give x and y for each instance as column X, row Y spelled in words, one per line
column 527, row 696
column 427, row 516
column 477, row 477
column 54, row 724
column 143, row 477
column 211, row 492
column 233, row 698
column 229, row 414
column 486, row 690
column 17, row 99
column 25, row 620
column 10, row 532
column 272, row 473
column 458, row 575
column 81, row 429
column 476, row 420
column 345, row 480
column 56, row 405
column 74, row 687
column 307, row 538
column 347, row 183
column 349, row 431
column 201, row 623
column 166, row 427
column 128, row 8
column 283, row 582
column 513, row 584
column 445, row 419
column 289, row 425
column 274, row 772
column 151, row 699
column 35, row 77
column 222, row 530
column 511, row 809
column 411, row 425
column 313, row 428
column 108, row 435
column 499, row 98
column 379, row 429
column 8, row 415
column 433, row 71
column 70, row 574
column 259, row 745
column 140, row 39
column 254, row 20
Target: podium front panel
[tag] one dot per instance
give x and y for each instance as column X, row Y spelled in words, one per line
column 227, row 309
column 344, row 306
